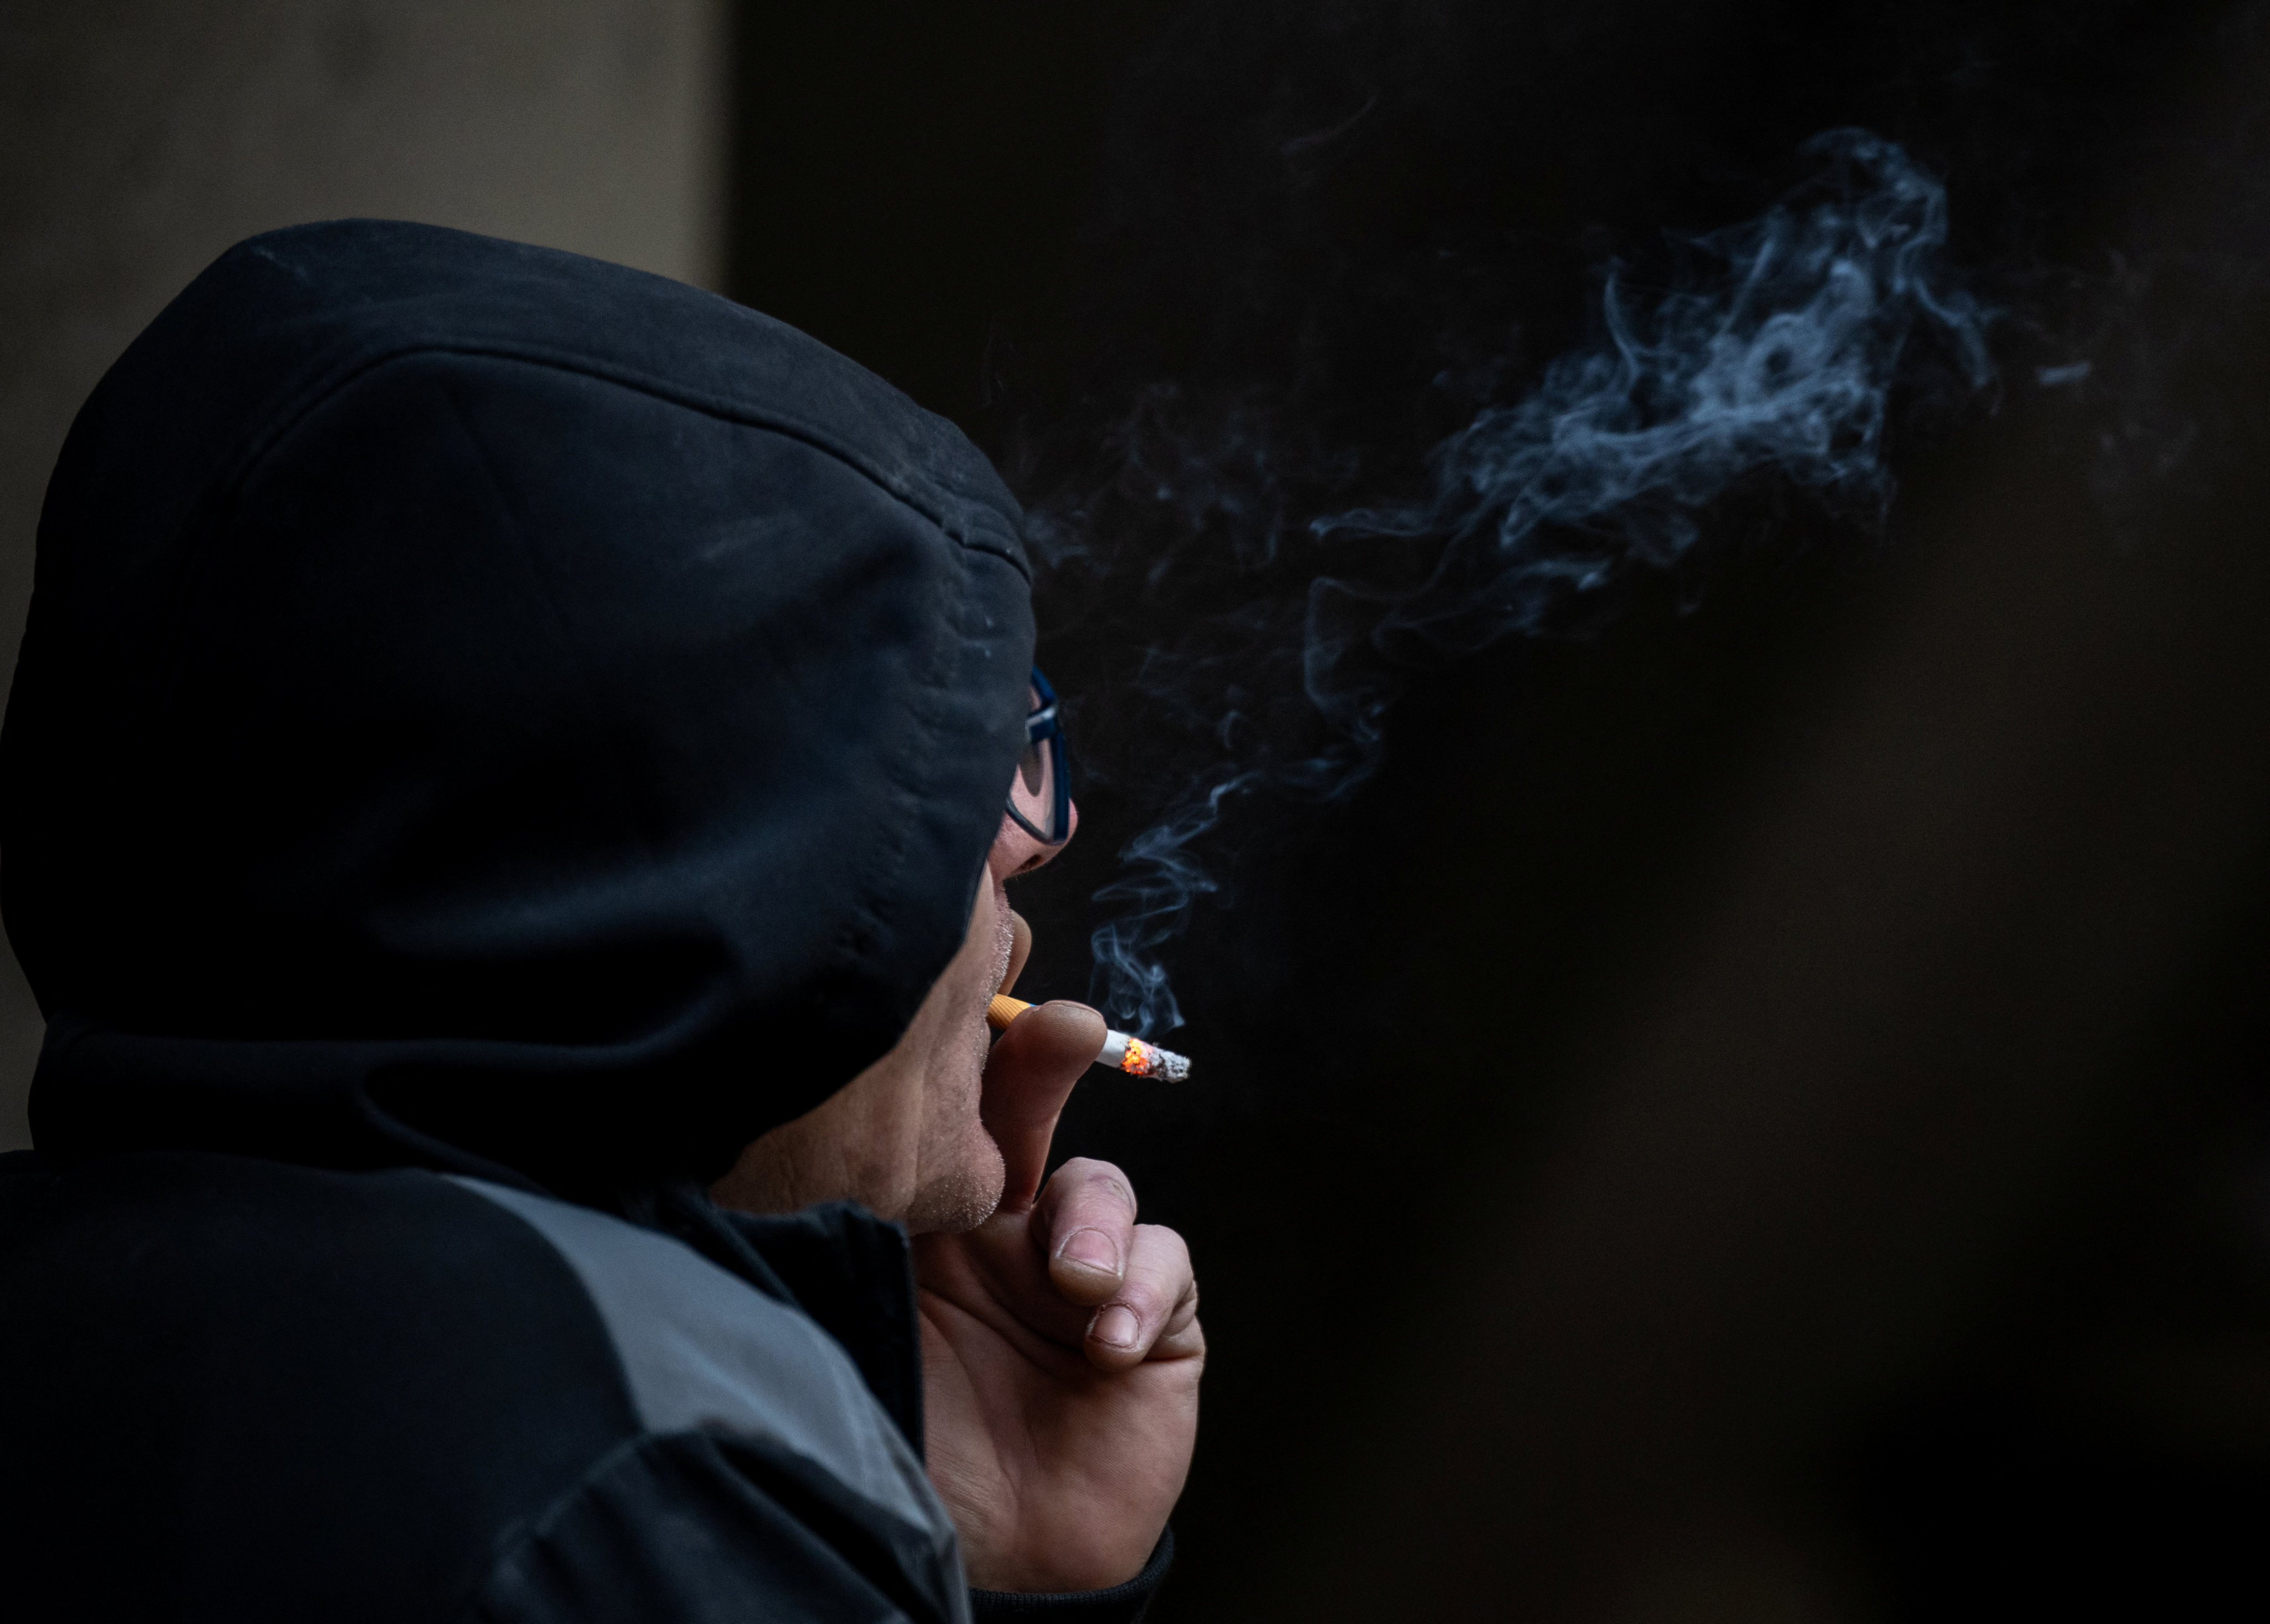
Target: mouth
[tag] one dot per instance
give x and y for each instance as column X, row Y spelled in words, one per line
column 1012, row 943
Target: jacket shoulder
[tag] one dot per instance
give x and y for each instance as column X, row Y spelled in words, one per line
column 399, row 1394
column 702, row 1351
column 334, row 1390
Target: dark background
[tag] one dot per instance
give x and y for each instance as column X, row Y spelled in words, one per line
column 1757, row 1110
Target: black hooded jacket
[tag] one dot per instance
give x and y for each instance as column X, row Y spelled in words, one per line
column 496, row 733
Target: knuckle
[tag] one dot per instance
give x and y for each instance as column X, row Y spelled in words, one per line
column 1093, row 1181
column 1162, row 1248
column 1150, row 1299
column 1157, row 1291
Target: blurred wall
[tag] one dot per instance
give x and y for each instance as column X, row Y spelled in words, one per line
column 138, row 138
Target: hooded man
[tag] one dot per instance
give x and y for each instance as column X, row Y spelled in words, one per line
column 506, row 798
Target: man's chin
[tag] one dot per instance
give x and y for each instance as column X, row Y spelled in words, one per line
column 963, row 1197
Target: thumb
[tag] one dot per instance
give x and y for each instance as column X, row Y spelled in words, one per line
column 1029, row 1077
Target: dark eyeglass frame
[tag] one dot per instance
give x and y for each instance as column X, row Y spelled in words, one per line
column 1044, row 730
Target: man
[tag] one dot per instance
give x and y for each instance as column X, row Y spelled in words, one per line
column 508, row 791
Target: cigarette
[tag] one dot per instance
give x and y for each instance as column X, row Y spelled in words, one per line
column 1128, row 1053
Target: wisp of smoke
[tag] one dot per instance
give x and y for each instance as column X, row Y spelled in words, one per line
column 1773, row 361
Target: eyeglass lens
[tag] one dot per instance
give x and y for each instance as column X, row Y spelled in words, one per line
column 1034, row 791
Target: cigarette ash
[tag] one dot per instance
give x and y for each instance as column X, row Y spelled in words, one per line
column 1144, row 1059
column 1769, row 364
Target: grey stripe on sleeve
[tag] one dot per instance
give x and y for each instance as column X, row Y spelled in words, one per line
column 706, row 1352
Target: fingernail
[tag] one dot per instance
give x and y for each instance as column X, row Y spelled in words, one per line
column 1090, row 1248
column 1116, row 1327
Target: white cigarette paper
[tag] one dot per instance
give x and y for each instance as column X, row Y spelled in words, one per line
column 1120, row 1050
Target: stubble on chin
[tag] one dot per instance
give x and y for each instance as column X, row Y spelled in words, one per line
column 965, row 1185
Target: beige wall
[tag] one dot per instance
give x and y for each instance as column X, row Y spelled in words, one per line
column 138, row 138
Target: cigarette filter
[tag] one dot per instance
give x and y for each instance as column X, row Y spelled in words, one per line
column 1128, row 1053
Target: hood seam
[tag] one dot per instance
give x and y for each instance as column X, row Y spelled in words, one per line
column 318, row 383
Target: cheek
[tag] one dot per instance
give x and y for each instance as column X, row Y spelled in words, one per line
column 962, row 1170
column 1004, row 933
column 952, row 1101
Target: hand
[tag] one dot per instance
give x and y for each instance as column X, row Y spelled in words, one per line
column 1061, row 1346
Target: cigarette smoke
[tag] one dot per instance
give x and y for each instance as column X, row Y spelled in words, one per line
column 1768, row 366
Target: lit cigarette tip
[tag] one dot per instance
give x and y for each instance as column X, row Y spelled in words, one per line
column 1129, row 1054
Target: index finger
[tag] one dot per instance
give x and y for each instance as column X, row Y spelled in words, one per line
column 1154, row 1313
column 1029, row 1076
column 1086, row 1221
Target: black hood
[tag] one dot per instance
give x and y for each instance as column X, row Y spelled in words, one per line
column 486, row 709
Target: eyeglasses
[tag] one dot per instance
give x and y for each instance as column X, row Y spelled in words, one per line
column 1040, row 796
